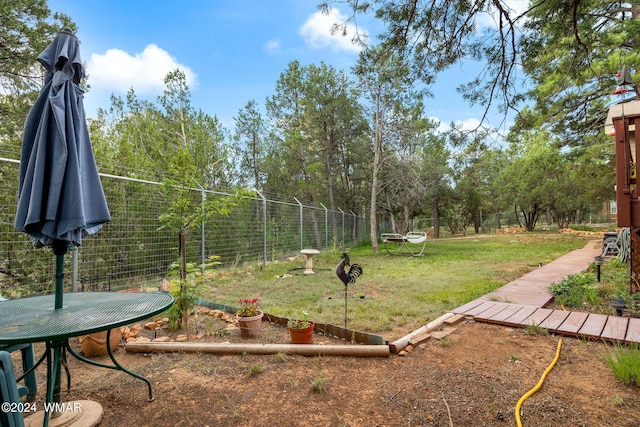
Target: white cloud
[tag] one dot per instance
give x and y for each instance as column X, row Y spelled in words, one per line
column 489, row 19
column 118, row 71
column 317, row 32
column 469, row 124
column 273, row 46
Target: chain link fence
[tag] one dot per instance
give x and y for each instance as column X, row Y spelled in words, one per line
column 134, row 250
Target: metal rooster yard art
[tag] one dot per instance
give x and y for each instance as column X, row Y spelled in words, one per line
column 348, row 278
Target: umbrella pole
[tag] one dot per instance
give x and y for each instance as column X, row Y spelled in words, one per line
column 59, row 249
column 59, row 280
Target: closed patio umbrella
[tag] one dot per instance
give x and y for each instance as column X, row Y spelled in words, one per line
column 60, row 197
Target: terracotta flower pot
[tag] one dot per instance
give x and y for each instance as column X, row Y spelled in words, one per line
column 302, row 335
column 250, row 326
column 96, row 344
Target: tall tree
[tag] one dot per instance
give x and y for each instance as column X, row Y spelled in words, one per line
column 436, row 175
column 334, row 120
column 286, row 110
column 26, row 28
column 437, row 34
column 317, row 123
column 252, row 144
column 194, row 132
column 571, row 49
column 394, row 105
column 532, row 179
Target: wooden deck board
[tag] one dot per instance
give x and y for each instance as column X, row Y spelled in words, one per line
column 593, row 325
column 522, row 302
column 506, row 313
column 633, row 330
column 468, row 306
column 555, row 319
column 537, row 317
column 615, row 329
column 572, row 323
column 520, row 316
column 486, row 305
column 489, row 313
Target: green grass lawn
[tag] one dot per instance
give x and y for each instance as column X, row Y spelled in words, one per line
column 396, row 293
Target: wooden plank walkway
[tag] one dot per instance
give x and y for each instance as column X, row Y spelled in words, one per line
column 576, row 324
column 522, row 302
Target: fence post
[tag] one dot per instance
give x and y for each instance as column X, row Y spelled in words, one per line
column 264, row 227
column 326, row 226
column 301, row 225
column 342, row 212
column 353, row 227
column 74, row 269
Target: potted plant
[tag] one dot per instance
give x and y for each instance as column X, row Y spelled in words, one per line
column 301, row 330
column 249, row 317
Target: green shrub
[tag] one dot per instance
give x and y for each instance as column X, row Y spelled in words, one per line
column 572, row 283
column 576, row 289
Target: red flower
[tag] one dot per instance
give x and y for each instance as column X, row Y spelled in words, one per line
column 248, row 307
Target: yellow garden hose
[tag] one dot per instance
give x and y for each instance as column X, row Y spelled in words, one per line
column 537, row 387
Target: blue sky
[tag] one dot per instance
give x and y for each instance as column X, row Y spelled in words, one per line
column 231, row 51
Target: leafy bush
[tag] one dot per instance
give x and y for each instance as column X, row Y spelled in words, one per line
column 186, row 292
column 576, row 289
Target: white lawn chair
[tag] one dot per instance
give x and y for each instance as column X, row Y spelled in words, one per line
column 412, row 238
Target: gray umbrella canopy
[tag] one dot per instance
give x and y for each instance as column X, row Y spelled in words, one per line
column 60, row 197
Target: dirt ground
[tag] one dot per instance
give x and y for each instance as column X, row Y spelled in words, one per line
column 472, row 377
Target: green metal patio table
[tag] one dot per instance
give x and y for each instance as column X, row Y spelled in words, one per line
column 34, row 319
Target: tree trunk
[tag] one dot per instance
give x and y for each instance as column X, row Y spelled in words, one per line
column 183, row 280
column 515, row 210
column 531, row 218
column 404, row 227
column 436, row 219
column 316, row 230
column 377, row 163
column 392, row 220
column 477, row 220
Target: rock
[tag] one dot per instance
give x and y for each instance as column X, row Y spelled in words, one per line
column 182, row 337
column 162, row 339
column 142, row 339
column 152, row 326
